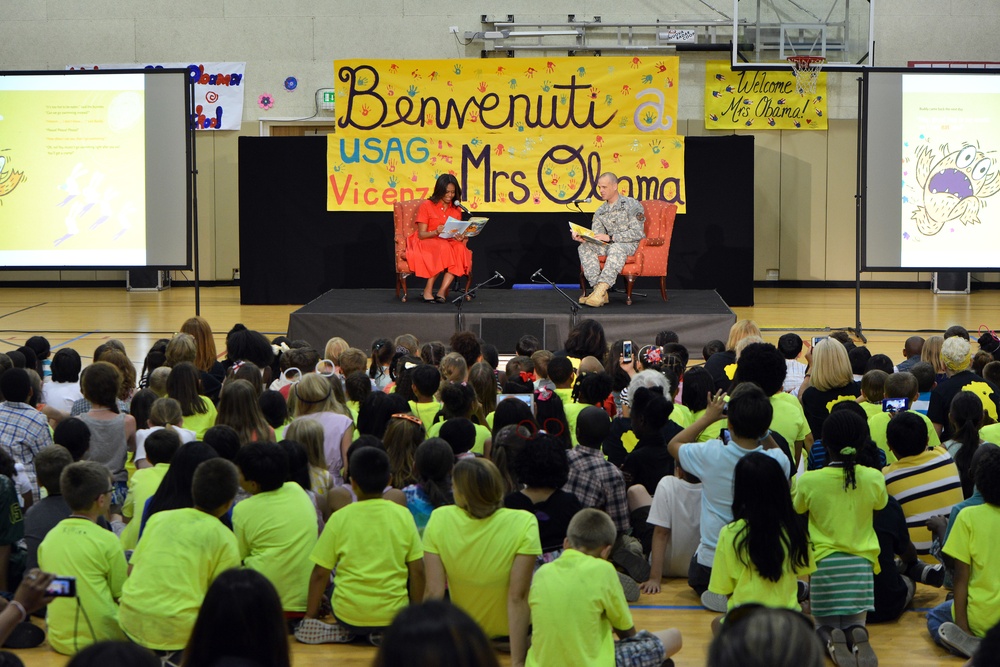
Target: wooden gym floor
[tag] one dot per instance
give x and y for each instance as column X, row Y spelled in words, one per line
column 83, row 318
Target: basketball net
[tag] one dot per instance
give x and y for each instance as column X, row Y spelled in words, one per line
column 806, row 70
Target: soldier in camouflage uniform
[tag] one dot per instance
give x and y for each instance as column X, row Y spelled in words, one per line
column 619, row 221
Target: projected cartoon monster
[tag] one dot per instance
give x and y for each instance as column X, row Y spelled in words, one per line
column 9, row 179
column 954, row 187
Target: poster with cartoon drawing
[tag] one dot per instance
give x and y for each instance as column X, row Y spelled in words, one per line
column 950, row 171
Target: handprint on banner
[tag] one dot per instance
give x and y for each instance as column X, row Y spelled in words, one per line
column 416, row 74
column 536, row 198
column 581, row 71
column 648, row 78
column 594, row 92
column 616, row 157
column 548, row 171
column 550, row 67
column 393, row 68
column 661, row 67
column 434, row 76
column 429, row 120
column 635, row 63
column 365, row 110
column 664, row 164
column 554, row 181
column 389, row 90
column 475, row 141
column 502, row 197
column 641, row 164
column 475, row 203
column 546, row 86
column 598, row 141
column 499, row 149
column 654, row 145
column 652, row 114
column 412, row 91
column 669, row 83
column 362, row 80
column 482, row 86
column 513, row 84
column 626, row 89
column 562, row 100
column 635, row 146
column 457, row 69
column 392, row 181
column 501, row 70
column 392, row 165
column 529, row 73
column 520, row 126
column 415, row 177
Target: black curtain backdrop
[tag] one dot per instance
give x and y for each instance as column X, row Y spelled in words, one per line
column 292, row 249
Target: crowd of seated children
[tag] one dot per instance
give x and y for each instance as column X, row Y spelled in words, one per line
column 688, row 489
column 43, row 515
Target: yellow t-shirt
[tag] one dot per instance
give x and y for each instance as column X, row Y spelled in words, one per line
column 369, row 543
column 82, row 549
column 426, row 412
column 990, row 433
column 975, row 540
column 199, row 423
column 572, row 410
column 482, row 435
column 179, row 556
column 841, row 519
column 871, row 409
column 477, row 555
column 276, row 532
column 682, row 415
column 141, row 487
column 788, row 419
column 744, row 583
column 713, row 431
column 576, row 601
column 879, row 422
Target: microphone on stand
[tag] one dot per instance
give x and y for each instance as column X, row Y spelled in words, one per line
column 458, row 203
column 581, row 201
column 536, row 274
column 497, row 274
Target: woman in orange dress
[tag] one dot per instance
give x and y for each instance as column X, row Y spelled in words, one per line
column 428, row 254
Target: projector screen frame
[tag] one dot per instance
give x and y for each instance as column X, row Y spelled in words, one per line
column 863, row 180
column 190, row 222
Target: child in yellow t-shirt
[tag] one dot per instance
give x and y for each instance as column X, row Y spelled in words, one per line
column 873, row 391
column 180, row 554
column 763, row 552
column 78, row 547
column 276, row 526
column 974, row 544
column 576, row 602
column 425, row 380
column 898, row 385
column 160, row 449
column 841, row 500
column 375, row 548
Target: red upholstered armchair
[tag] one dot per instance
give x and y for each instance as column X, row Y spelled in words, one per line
column 650, row 258
column 404, row 216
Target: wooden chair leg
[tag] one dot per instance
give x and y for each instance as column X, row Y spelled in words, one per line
column 630, row 282
column 583, row 283
column 663, row 287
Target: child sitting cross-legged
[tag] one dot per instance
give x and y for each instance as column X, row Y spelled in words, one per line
column 78, row 547
column 761, row 554
column 276, row 527
column 160, row 447
column 180, row 554
column 374, row 546
column 576, row 602
column 973, row 543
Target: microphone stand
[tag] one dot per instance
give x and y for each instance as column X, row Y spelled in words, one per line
column 458, row 300
column 574, row 306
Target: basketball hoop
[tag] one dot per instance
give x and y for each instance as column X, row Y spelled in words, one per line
column 806, row 70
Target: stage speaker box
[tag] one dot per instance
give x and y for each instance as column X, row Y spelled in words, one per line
column 146, row 280
column 951, row 282
column 504, row 332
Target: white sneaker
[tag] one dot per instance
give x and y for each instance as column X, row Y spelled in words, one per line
column 715, row 602
column 958, row 640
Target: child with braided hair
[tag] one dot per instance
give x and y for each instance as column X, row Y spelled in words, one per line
column 840, row 500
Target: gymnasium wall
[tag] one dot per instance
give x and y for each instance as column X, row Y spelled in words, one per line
column 804, row 181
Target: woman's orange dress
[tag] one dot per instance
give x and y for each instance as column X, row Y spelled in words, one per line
column 429, row 257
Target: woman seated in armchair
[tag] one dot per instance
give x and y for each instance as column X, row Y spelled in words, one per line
column 430, row 255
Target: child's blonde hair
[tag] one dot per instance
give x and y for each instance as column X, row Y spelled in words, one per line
column 540, row 359
column 158, row 380
column 309, row 433
column 453, row 368
column 591, row 530
column 478, row 487
column 166, row 412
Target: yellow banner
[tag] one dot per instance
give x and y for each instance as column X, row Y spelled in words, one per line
column 525, row 132
column 760, row 100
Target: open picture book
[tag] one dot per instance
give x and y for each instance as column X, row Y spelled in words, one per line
column 471, row 227
column 587, row 234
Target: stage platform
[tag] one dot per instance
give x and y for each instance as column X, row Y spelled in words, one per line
column 501, row 316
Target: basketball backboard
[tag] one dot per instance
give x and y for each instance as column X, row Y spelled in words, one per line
column 769, row 31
